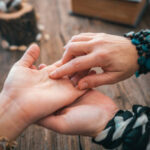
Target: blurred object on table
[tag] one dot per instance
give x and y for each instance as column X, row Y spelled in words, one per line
column 128, row 12
column 18, row 25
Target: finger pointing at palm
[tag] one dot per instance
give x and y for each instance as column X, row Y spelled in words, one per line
column 114, row 54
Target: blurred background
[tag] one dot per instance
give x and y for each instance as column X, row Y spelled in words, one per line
column 57, row 22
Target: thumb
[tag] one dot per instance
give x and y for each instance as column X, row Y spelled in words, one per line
column 96, row 80
column 30, row 56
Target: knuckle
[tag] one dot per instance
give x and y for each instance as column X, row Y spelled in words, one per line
column 87, row 47
column 74, row 38
column 102, row 34
column 76, row 64
column 110, row 81
column 101, row 38
column 82, row 33
column 69, row 46
column 103, row 55
column 113, row 80
column 95, row 82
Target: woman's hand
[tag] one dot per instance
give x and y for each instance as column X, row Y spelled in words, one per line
column 29, row 95
column 87, row 116
column 116, row 55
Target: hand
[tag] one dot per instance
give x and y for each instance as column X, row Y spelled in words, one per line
column 116, row 55
column 29, row 95
column 87, row 116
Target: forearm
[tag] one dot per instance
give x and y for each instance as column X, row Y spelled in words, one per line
column 11, row 121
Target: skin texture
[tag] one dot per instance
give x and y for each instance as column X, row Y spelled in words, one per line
column 29, row 95
column 116, row 55
column 87, row 116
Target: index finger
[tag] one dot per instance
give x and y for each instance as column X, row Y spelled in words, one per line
column 74, row 49
column 52, row 67
column 78, row 64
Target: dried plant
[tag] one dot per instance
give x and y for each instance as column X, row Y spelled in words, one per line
column 9, row 5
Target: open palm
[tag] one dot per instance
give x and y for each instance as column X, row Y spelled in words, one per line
column 33, row 92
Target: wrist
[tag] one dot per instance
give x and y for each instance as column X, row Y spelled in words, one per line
column 12, row 122
column 110, row 117
column 135, row 54
column 132, row 61
column 141, row 40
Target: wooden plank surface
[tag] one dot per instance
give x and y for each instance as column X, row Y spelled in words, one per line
column 61, row 27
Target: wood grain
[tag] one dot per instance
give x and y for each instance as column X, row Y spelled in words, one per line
column 61, row 27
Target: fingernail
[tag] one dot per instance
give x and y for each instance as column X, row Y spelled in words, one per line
column 84, row 86
column 53, row 74
column 33, row 44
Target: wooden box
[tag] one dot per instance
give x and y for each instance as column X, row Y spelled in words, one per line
column 118, row 11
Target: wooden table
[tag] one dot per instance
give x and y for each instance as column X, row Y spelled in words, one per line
column 61, row 27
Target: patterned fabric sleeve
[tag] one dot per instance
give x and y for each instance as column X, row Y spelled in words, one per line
column 128, row 130
column 141, row 40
